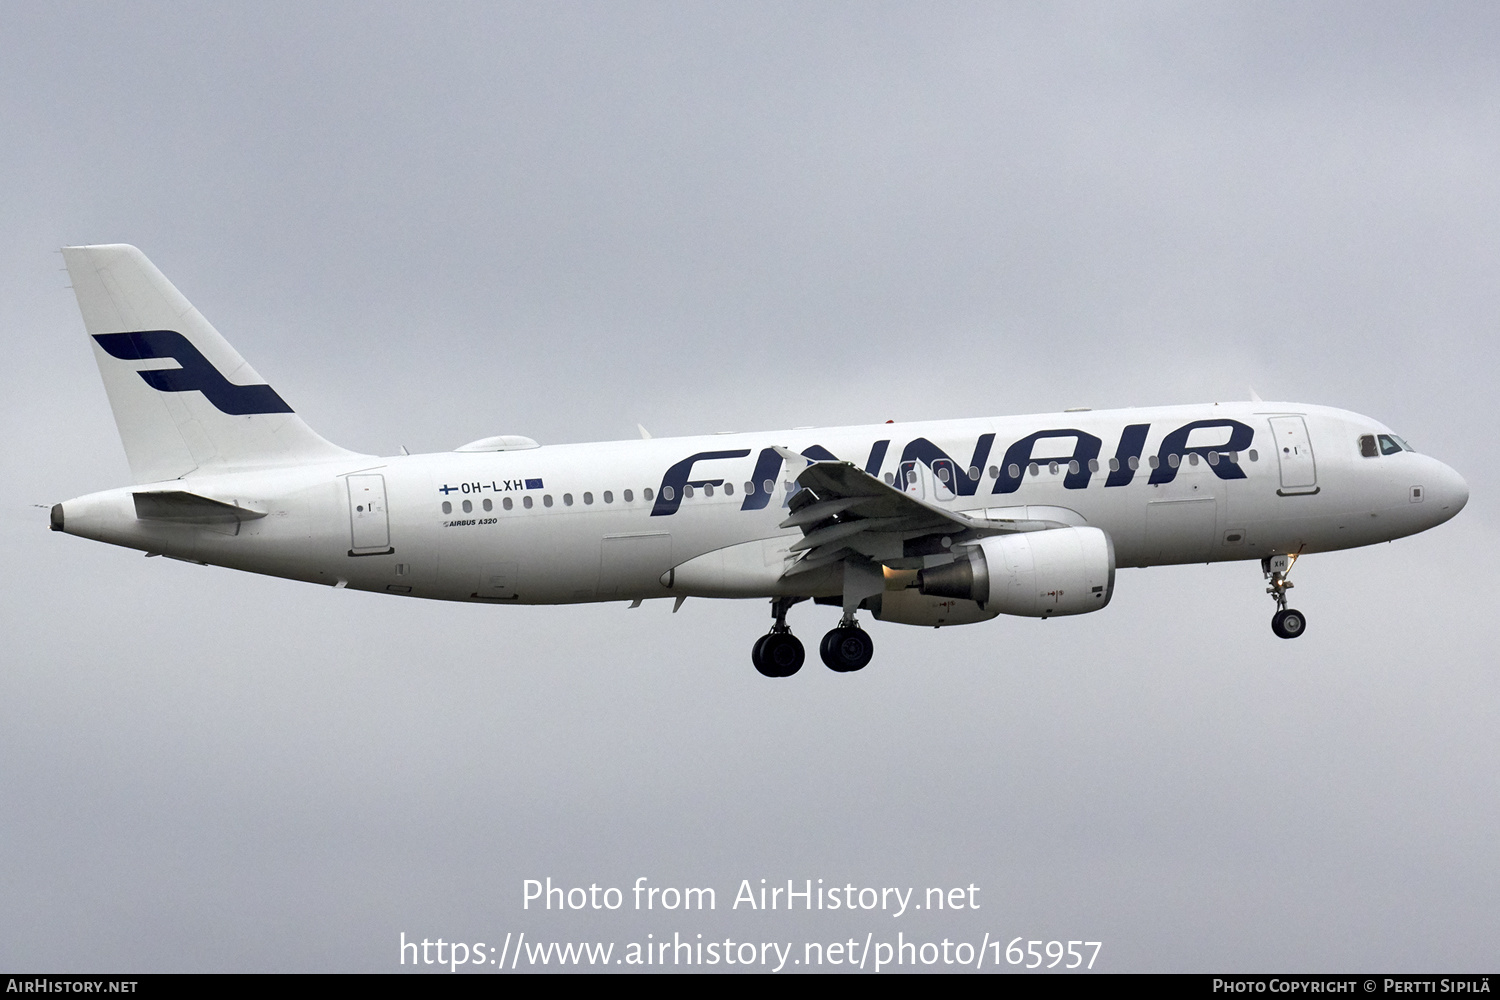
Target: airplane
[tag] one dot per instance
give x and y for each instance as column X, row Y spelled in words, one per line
column 928, row 523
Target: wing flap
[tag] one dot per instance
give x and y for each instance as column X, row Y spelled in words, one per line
column 846, row 512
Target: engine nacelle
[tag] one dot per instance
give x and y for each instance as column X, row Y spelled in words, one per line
column 1059, row 571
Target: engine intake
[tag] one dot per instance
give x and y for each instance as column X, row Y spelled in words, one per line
column 1038, row 574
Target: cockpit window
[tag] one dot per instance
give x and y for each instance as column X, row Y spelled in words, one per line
column 1367, row 445
column 1403, row 443
column 1388, row 445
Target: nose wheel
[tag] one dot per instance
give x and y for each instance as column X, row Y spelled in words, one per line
column 1287, row 623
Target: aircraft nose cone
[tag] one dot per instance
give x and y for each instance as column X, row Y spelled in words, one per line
column 1457, row 490
column 1451, row 492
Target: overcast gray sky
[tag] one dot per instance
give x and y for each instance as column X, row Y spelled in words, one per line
column 426, row 226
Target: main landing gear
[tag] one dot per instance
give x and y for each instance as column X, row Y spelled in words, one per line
column 1287, row 623
column 778, row 653
column 847, row 648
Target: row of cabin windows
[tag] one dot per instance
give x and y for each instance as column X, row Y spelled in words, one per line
column 1375, row 445
column 608, row 496
column 769, row 486
column 1014, row 471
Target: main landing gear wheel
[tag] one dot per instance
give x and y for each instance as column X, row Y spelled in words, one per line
column 778, row 654
column 1288, row 623
column 847, row 648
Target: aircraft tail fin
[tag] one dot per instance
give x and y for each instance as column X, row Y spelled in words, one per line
column 183, row 398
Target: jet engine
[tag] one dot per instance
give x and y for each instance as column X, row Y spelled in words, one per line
column 1058, row 571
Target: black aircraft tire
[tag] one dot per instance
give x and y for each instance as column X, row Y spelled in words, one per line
column 757, row 657
column 846, row 649
column 1288, row 624
column 782, row 654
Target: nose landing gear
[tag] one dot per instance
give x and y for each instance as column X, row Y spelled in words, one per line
column 1287, row 623
column 778, row 653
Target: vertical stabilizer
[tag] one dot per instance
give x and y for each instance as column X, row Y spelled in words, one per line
column 183, row 399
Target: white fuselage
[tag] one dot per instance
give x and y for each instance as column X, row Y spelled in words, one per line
column 534, row 526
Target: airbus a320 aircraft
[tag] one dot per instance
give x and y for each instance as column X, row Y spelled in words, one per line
column 928, row 523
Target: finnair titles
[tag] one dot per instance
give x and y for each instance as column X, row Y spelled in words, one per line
column 925, row 523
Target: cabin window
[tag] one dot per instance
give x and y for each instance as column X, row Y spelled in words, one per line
column 1073, row 467
column 1213, row 458
column 1134, row 461
column 1192, row 458
column 567, row 499
column 1114, row 465
column 447, row 507
column 1388, row 445
column 526, row 502
column 646, row 494
column 546, row 499
column 749, row 489
column 489, row 504
column 687, row 492
column 1154, row 462
column 588, row 499
column 609, row 497
column 770, row 486
column 974, row 473
column 1254, row 455
column 1093, row 465
column 994, row 472
column 729, row 489
column 942, row 474
column 507, row 503
column 1052, row 468
column 890, row 479
column 1173, row 460
column 468, row 506
column 629, row 496
column 1034, row 469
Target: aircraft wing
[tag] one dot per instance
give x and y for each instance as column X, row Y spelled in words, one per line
column 843, row 511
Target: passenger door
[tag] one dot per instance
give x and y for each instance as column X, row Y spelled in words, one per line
column 1299, row 473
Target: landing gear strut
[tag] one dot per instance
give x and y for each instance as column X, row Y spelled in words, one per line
column 1287, row 623
column 778, row 653
column 848, row 647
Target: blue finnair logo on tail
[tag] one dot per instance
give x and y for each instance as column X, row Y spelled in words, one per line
column 195, row 373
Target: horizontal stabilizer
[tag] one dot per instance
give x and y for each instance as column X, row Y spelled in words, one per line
column 179, row 505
